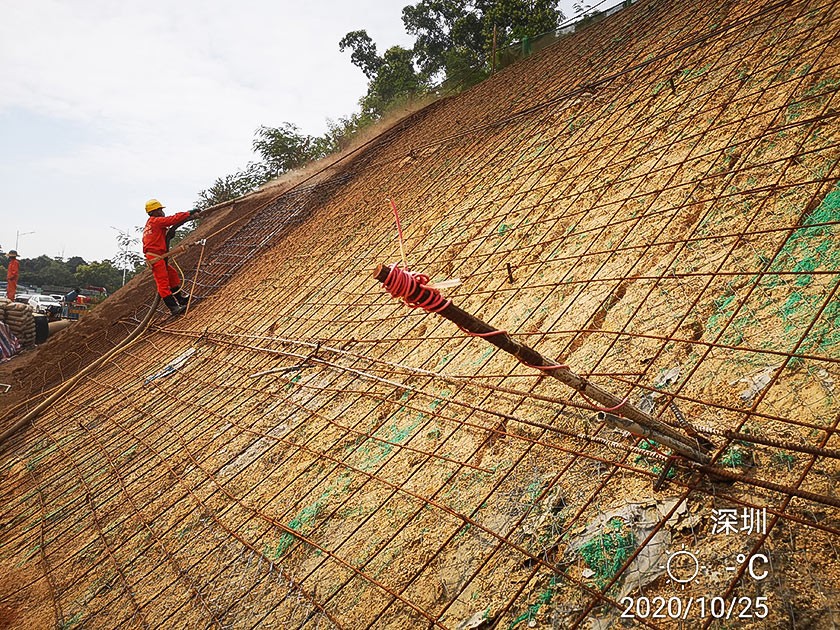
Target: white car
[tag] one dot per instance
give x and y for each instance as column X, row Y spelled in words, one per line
column 44, row 304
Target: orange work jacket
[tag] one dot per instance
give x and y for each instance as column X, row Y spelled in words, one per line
column 154, row 234
column 14, row 267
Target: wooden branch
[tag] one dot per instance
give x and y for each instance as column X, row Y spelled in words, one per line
column 634, row 419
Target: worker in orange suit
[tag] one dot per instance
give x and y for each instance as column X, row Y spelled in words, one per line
column 12, row 275
column 156, row 236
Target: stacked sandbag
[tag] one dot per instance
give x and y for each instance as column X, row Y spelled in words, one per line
column 21, row 321
column 3, row 302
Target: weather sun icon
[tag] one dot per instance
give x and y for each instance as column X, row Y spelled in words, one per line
column 682, row 567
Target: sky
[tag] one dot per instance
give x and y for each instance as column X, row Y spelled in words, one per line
column 105, row 104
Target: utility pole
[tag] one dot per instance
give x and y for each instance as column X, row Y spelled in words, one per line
column 18, row 235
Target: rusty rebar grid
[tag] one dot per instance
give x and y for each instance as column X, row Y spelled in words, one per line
column 648, row 206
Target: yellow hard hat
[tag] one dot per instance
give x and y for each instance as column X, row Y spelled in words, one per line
column 153, row 204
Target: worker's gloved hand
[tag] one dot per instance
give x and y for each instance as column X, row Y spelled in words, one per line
column 194, row 212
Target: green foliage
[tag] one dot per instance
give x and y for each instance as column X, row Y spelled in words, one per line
column 232, row 186
column 183, row 232
column 284, row 148
column 587, row 15
column 127, row 256
column 73, row 263
column 453, row 44
column 392, row 76
column 517, row 20
column 784, row 460
column 461, row 71
column 340, row 132
column 396, row 80
column 99, row 274
column 45, row 271
column 653, row 464
column 452, row 37
column 734, row 457
column 608, row 551
column 446, row 32
column 364, row 52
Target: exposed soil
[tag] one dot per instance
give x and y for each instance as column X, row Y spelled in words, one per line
column 303, row 450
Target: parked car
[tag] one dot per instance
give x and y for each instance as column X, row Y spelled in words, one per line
column 44, row 304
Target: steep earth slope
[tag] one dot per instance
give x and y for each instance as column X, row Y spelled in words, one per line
column 653, row 202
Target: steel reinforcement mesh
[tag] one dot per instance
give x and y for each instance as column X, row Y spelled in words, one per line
column 653, row 202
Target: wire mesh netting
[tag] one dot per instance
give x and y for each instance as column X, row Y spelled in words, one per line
column 653, row 202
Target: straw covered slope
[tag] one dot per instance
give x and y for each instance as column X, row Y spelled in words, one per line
column 652, row 201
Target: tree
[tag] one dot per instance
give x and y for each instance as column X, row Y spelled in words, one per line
column 73, row 262
column 517, row 19
column 453, row 42
column 452, row 36
column 45, row 271
column 99, row 274
column 396, row 79
column 232, row 186
column 392, row 76
column 340, row 132
column 183, row 232
column 283, row 148
column 364, row 52
column 128, row 259
column 446, row 31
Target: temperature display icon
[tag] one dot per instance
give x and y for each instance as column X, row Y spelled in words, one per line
column 755, row 565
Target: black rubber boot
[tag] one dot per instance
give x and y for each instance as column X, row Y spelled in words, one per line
column 174, row 307
column 182, row 296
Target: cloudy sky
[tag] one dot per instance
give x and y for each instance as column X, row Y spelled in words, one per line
column 105, row 104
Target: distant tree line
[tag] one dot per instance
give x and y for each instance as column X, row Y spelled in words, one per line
column 45, row 271
column 453, row 46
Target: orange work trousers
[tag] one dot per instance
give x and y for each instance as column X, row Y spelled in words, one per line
column 166, row 278
column 11, row 289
